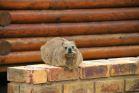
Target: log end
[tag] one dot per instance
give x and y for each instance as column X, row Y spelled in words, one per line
column 5, row 47
column 5, row 18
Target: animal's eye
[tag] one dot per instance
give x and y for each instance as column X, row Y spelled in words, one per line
column 72, row 47
column 65, row 47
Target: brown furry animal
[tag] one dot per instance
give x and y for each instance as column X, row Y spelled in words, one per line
column 61, row 52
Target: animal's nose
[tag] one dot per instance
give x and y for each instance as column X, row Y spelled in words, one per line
column 69, row 50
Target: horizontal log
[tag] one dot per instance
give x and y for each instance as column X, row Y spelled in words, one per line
column 20, row 57
column 5, row 18
column 30, row 44
column 110, row 52
column 64, row 4
column 88, row 53
column 31, row 30
column 80, row 15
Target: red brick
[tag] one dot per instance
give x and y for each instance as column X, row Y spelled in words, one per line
column 94, row 69
column 40, row 74
column 58, row 73
column 132, row 84
column 79, row 87
column 122, row 67
column 109, row 86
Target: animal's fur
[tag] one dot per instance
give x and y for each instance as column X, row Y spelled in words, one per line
column 56, row 52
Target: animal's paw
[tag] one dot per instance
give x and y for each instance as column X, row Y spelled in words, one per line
column 68, row 69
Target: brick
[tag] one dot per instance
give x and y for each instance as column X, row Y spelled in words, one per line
column 58, row 73
column 42, row 73
column 94, row 69
column 56, row 88
column 40, row 88
column 79, row 87
column 109, row 86
column 13, row 88
column 132, row 85
column 123, row 67
column 27, row 74
column 26, row 88
column 132, row 60
column 16, row 74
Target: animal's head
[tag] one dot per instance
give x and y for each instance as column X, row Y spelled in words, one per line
column 69, row 47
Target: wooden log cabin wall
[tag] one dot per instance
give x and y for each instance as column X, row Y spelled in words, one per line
column 100, row 28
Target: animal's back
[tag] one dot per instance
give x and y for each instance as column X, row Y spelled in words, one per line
column 61, row 52
column 48, row 49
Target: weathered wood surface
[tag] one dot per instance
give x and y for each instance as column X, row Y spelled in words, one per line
column 88, row 53
column 30, row 44
column 78, row 15
column 64, row 29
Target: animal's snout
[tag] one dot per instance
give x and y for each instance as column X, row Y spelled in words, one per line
column 69, row 50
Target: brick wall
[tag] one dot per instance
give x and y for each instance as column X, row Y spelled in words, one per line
column 117, row 75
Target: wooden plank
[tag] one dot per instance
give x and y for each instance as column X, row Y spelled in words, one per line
column 88, row 53
column 78, row 15
column 30, row 44
column 32, row 30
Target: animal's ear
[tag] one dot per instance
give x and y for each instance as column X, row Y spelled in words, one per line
column 62, row 43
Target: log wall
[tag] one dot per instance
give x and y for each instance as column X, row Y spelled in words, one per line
column 100, row 28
